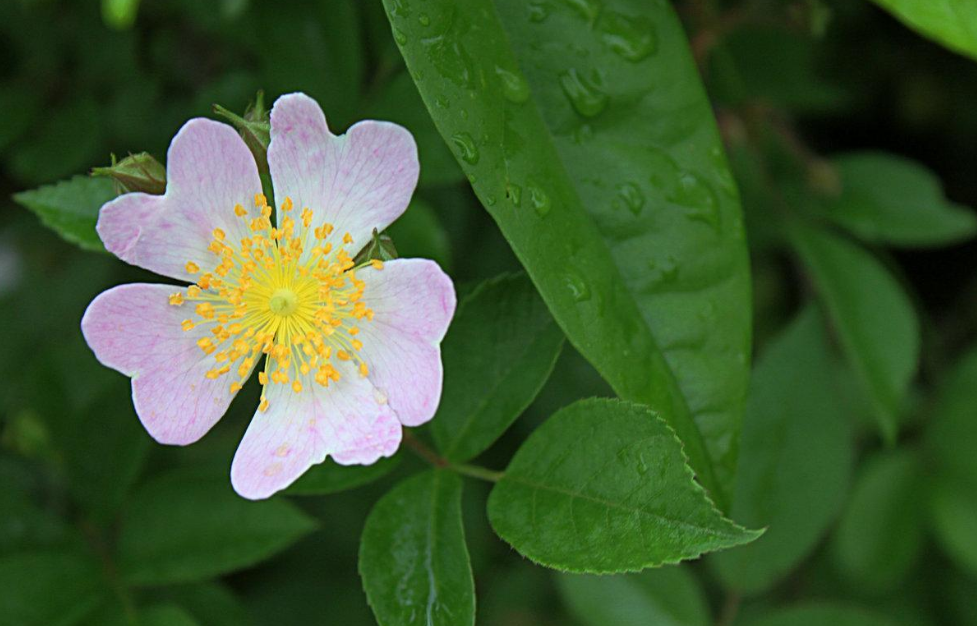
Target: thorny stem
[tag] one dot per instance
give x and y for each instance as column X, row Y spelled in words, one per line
column 473, row 471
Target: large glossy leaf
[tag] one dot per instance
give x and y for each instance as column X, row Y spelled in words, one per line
column 881, row 532
column 796, row 458
column 668, row 596
column 889, row 199
column 413, row 558
column 586, row 134
column 188, row 525
column 49, row 588
column 872, row 317
column 603, row 487
column 70, row 207
column 500, row 349
column 950, row 22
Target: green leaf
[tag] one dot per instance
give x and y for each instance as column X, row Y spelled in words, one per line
column 498, row 353
column 211, row 604
column 71, row 207
column 612, row 190
column 952, row 438
column 331, row 477
column 188, row 525
column 669, row 596
column 881, row 533
column 602, row 487
column 872, row 317
column 795, row 459
column 419, row 233
column 953, row 509
column 413, row 559
column 892, row 200
column 950, row 22
column 49, row 588
column 820, row 615
column 166, row 615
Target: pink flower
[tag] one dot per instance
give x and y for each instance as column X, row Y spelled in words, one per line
column 346, row 355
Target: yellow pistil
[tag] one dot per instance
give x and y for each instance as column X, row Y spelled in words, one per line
column 284, row 293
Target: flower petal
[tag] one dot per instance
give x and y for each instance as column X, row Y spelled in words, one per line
column 209, row 169
column 357, row 182
column 133, row 329
column 413, row 302
column 345, row 420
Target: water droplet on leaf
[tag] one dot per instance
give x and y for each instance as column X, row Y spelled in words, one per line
column 577, row 286
column 400, row 37
column 466, row 147
column 587, row 9
column 633, row 39
column 514, row 86
column 585, row 96
column 423, row 19
column 695, row 194
column 631, row 194
column 538, row 11
column 514, row 193
column 539, row 199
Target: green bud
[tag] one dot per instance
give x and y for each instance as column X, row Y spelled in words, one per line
column 136, row 172
column 381, row 247
column 254, row 128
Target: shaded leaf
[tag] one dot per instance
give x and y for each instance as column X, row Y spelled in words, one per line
column 49, row 588
column 821, row 615
column 603, row 486
column 413, row 559
column 499, row 351
column 71, row 207
column 949, row 22
column 613, row 192
column 188, row 525
column 872, row 317
column 210, row 604
column 669, row 596
column 796, row 458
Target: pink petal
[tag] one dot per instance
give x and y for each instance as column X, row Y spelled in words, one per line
column 357, row 182
column 133, row 329
column 346, row 420
column 209, row 169
column 413, row 302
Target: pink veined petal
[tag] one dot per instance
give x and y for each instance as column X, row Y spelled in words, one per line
column 209, row 169
column 413, row 302
column 357, row 182
column 346, row 420
column 133, row 329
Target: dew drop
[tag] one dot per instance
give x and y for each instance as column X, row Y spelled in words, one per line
column 577, row 286
column 442, row 101
column 539, row 199
column 471, row 179
column 693, row 193
column 514, row 193
column 401, row 8
column 464, row 114
column 663, row 271
column 633, row 39
column 631, row 194
column 514, row 86
column 423, row 19
column 538, row 12
column 466, row 147
column 400, row 37
column 587, row 99
column 587, row 9
column 490, row 200
column 582, row 134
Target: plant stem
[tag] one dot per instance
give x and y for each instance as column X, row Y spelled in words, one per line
column 422, row 450
column 475, row 471
column 731, row 606
column 97, row 542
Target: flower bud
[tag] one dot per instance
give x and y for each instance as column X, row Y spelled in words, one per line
column 136, row 172
column 253, row 127
column 381, row 248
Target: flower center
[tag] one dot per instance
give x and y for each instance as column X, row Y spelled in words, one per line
column 287, row 293
column 283, row 302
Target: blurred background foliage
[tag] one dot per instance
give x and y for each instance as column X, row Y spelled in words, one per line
column 816, row 99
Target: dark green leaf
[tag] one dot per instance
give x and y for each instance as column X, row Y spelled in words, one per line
column 71, row 207
column 188, row 525
column 49, row 588
column 330, row 477
column 211, row 604
column 872, row 317
column 953, row 511
column 166, row 615
column 413, row 558
column 419, row 233
column 881, row 532
column 953, row 437
column 611, row 189
column 669, row 596
column 888, row 199
column 68, row 141
column 949, row 22
column 603, row 486
column 499, row 351
column 821, row 615
column 795, row 458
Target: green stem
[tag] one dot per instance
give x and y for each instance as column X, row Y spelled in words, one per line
column 95, row 539
column 475, row 471
column 422, row 450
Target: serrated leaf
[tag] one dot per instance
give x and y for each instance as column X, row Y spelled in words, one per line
column 613, row 192
column 949, row 22
column 669, row 596
column 872, row 317
column 881, row 533
column 70, row 208
column 820, row 615
column 413, row 559
column 603, row 487
column 331, row 477
column 499, row 351
column 188, row 525
column 796, row 458
column 890, row 199
column 49, row 588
